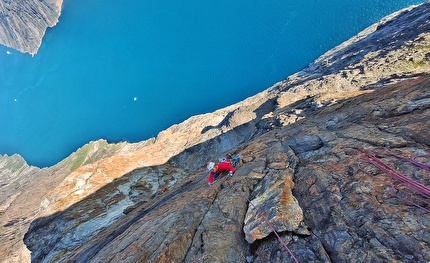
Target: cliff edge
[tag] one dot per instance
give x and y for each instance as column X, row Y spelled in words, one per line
column 300, row 143
column 23, row 23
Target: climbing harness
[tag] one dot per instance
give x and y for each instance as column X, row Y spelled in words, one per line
column 414, row 191
column 268, row 223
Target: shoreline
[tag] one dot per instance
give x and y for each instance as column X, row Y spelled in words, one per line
column 22, row 19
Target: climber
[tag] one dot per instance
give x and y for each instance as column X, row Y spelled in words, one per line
column 217, row 169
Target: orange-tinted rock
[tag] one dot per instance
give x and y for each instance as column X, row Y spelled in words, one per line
column 300, row 171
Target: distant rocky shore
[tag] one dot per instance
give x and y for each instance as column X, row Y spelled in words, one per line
column 23, row 23
column 149, row 201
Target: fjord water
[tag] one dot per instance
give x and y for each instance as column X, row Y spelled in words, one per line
column 125, row 70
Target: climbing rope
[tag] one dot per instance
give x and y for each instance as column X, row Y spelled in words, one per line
column 398, row 156
column 268, row 223
column 402, row 183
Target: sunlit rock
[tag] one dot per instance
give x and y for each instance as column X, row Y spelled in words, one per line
column 298, row 142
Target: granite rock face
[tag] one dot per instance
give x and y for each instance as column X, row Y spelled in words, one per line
column 23, row 187
column 23, row 22
column 298, row 142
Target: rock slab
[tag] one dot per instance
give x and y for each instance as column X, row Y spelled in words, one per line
column 298, row 142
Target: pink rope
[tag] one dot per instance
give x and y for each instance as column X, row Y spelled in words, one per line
column 269, row 224
column 422, row 156
column 411, row 160
column 414, row 189
column 394, row 187
column 397, row 175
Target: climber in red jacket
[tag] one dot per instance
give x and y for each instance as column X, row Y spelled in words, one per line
column 217, row 169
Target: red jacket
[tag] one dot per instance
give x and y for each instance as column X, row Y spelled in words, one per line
column 221, row 167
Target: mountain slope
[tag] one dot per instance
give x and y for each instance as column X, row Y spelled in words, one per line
column 23, row 23
column 298, row 141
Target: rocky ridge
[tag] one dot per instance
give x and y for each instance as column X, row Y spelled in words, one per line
column 149, row 201
column 23, row 188
column 23, row 22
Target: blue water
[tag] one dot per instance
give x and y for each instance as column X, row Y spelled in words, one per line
column 125, row 70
